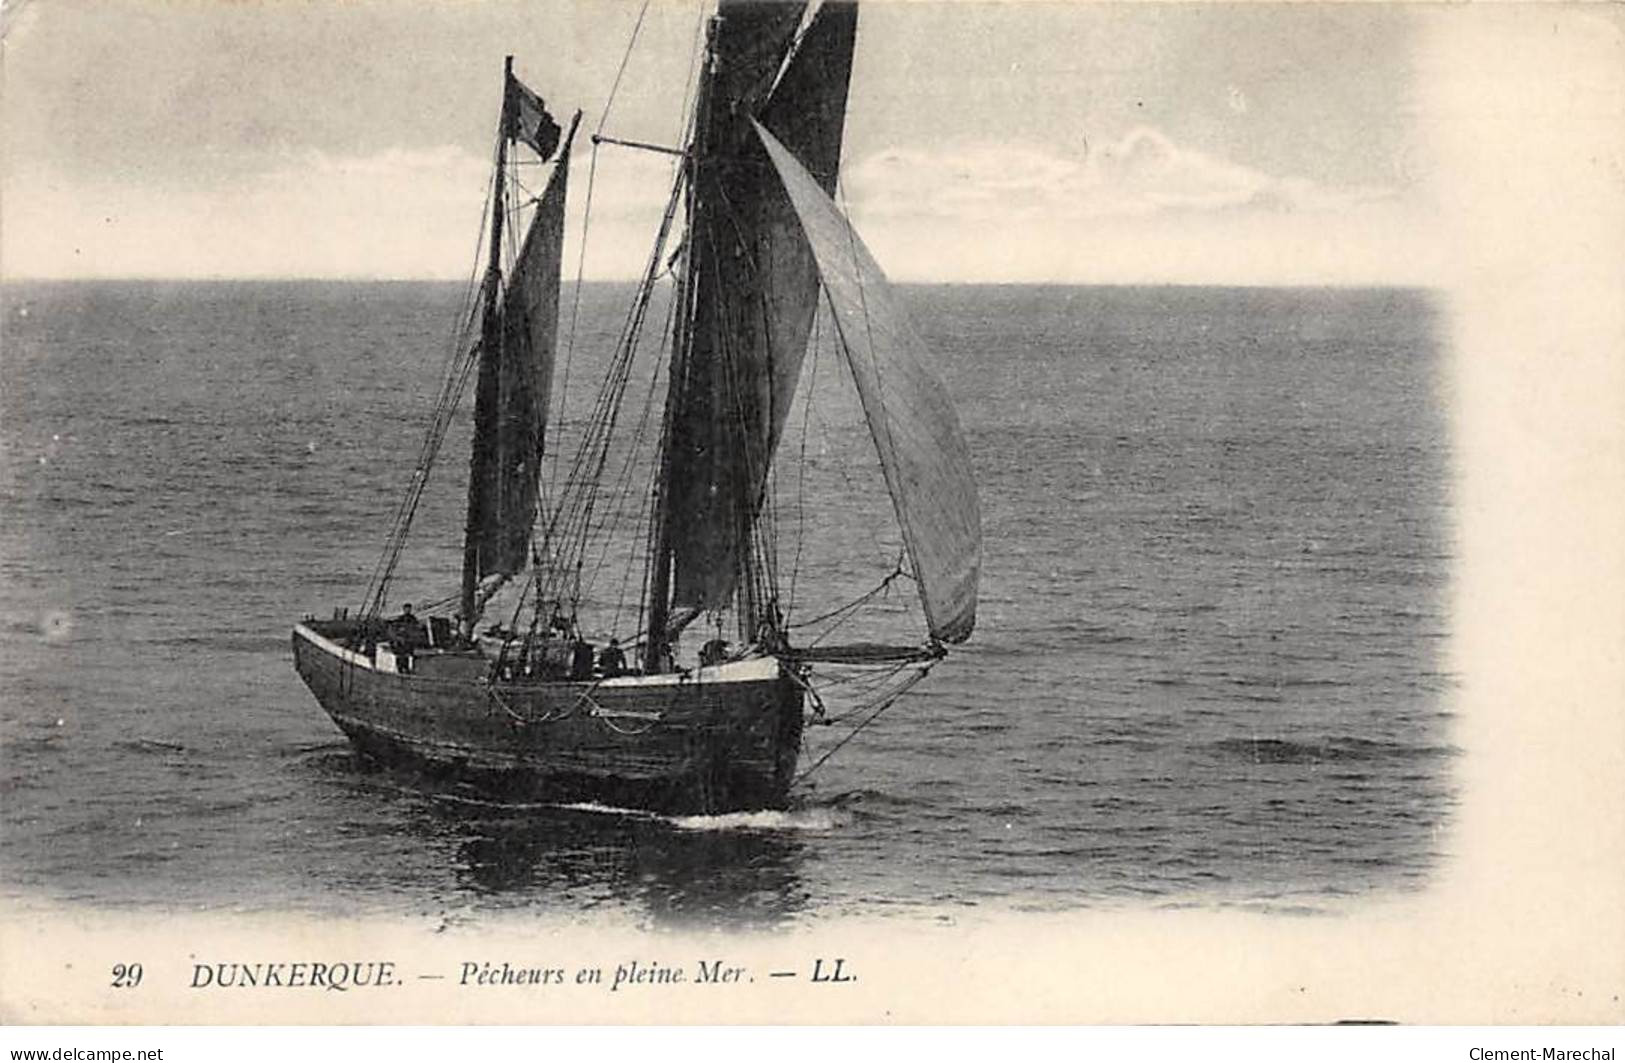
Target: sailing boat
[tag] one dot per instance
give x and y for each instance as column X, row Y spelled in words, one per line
column 538, row 708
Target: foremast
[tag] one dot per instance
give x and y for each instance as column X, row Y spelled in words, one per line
column 485, row 387
column 518, row 335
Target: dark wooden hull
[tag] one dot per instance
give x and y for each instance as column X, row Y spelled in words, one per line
column 717, row 740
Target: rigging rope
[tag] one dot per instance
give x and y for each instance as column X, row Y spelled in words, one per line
column 575, row 308
column 887, row 702
column 460, row 362
column 626, row 57
column 623, row 487
column 801, row 463
column 881, row 588
column 571, row 522
column 586, row 221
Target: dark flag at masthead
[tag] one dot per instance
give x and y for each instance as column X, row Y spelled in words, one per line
column 529, row 122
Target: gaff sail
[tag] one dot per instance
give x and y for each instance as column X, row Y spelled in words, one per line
column 511, row 425
column 530, row 323
column 922, row 451
column 754, row 280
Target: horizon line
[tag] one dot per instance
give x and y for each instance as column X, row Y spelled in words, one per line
column 1057, row 283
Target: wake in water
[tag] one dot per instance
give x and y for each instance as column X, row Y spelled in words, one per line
column 816, row 814
column 821, row 817
column 818, row 818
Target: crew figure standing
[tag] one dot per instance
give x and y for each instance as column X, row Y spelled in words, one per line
column 612, row 662
column 407, row 635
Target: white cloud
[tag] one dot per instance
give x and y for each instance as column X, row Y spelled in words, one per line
column 1143, row 173
column 1374, row 244
column 1140, row 209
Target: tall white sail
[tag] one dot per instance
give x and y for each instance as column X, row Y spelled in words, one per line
column 922, row 451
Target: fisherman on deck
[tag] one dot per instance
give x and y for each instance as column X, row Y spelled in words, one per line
column 407, row 635
column 770, row 634
column 713, row 652
column 612, row 662
column 581, row 660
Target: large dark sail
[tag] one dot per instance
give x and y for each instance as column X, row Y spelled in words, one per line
column 752, row 278
column 530, row 317
column 514, row 384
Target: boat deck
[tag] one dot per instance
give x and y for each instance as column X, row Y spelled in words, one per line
column 472, row 664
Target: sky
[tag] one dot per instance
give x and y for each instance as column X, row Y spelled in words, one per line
column 994, row 142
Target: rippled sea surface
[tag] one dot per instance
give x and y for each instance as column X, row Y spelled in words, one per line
column 1207, row 668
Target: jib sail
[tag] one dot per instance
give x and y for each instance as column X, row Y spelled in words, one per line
column 922, row 451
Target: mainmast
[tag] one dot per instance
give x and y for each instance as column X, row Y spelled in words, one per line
column 485, row 389
column 656, row 640
column 749, row 292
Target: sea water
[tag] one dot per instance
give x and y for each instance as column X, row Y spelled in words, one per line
column 1207, row 667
